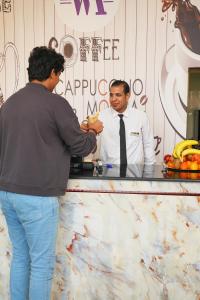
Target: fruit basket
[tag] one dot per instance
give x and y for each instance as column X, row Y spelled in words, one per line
column 184, row 162
column 180, row 170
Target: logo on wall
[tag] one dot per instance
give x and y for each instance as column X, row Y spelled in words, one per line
column 85, row 48
column 86, row 15
column 184, row 54
column 69, row 49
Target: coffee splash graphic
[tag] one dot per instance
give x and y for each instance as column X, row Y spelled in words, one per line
column 187, row 21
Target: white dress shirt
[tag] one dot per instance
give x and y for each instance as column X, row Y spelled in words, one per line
column 139, row 137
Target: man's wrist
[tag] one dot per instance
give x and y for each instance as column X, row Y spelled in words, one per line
column 93, row 130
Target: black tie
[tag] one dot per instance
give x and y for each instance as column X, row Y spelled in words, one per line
column 123, row 158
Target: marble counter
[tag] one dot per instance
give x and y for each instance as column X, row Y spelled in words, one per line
column 123, row 240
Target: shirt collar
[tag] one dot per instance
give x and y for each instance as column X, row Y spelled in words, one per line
column 36, row 85
column 116, row 113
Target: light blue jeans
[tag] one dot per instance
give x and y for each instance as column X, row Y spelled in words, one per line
column 32, row 225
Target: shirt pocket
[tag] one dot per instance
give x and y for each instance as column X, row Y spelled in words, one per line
column 134, row 138
column 135, row 133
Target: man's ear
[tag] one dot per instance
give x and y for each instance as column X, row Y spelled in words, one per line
column 128, row 96
column 52, row 74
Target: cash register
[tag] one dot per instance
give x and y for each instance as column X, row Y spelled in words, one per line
column 77, row 165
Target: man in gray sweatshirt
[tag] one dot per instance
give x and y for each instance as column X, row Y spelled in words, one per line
column 39, row 133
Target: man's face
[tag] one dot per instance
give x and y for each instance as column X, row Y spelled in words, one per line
column 118, row 99
column 54, row 80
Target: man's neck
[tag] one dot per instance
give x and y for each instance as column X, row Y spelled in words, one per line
column 44, row 83
column 122, row 111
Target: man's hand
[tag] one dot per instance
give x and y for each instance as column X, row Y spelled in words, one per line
column 84, row 127
column 97, row 126
column 92, row 124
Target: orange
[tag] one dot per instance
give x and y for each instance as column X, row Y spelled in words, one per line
column 170, row 164
column 184, row 165
column 196, row 157
column 189, row 157
column 194, row 165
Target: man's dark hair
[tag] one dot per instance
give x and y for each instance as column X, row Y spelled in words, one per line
column 123, row 83
column 42, row 61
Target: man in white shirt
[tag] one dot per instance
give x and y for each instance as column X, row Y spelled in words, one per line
column 138, row 134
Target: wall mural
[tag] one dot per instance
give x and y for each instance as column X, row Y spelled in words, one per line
column 10, row 46
column 150, row 44
column 185, row 53
column 86, row 15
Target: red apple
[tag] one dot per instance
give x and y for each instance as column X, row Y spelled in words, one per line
column 168, row 157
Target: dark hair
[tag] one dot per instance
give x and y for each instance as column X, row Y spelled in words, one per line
column 42, row 61
column 123, row 83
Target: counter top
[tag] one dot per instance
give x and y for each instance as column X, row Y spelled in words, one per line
column 133, row 172
column 145, row 180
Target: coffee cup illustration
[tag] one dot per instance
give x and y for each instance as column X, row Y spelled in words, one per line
column 184, row 54
column 10, row 46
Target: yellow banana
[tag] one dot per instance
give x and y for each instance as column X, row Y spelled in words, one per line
column 187, row 147
column 175, row 149
column 93, row 118
column 185, row 144
column 174, row 153
column 189, row 151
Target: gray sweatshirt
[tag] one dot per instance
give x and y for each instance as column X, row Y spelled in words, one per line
column 38, row 134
